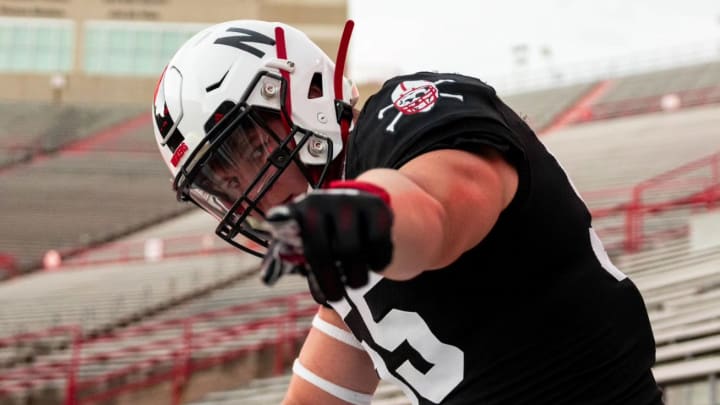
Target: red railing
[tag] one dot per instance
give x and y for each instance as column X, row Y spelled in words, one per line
column 701, row 193
column 693, row 186
column 180, row 352
column 8, row 266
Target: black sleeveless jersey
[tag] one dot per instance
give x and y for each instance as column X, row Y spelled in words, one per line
column 534, row 314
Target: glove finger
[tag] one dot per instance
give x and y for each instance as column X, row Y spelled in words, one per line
column 281, row 222
column 349, row 247
column 380, row 255
column 347, row 241
column 356, row 273
column 377, row 238
column 328, row 279
column 271, row 267
column 315, row 290
column 317, row 236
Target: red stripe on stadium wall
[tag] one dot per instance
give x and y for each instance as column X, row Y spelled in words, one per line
column 108, row 134
column 575, row 111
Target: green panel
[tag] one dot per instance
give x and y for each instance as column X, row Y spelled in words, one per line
column 131, row 51
column 35, row 47
column 5, row 48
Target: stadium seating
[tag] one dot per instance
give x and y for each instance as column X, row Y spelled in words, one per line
column 669, row 89
column 31, row 128
column 156, row 299
column 100, row 298
column 606, row 159
column 85, row 195
column 623, row 152
column 668, row 81
column 104, row 186
column 540, row 107
column 681, row 287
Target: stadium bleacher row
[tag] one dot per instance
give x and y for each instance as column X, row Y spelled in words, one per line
column 682, row 292
column 662, row 82
column 105, row 185
column 139, row 320
column 630, row 95
column 554, row 101
column 96, row 190
column 32, row 128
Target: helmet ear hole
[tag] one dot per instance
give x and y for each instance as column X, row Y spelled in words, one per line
column 316, row 86
column 218, row 115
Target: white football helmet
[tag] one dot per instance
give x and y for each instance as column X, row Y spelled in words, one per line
column 218, row 104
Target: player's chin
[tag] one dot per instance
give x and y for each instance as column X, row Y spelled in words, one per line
column 265, row 206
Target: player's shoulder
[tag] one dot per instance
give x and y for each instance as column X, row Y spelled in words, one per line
column 415, row 102
column 418, row 89
column 414, row 113
column 437, row 78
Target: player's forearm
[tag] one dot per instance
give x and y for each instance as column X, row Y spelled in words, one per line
column 419, row 224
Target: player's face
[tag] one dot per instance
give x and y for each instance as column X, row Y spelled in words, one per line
column 239, row 167
column 235, row 179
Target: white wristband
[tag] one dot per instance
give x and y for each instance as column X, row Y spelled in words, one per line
column 353, row 397
column 335, row 332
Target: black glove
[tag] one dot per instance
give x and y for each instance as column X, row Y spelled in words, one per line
column 333, row 236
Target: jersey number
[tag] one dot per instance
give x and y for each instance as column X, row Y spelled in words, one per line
column 400, row 326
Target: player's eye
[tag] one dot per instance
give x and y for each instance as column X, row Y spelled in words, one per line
column 257, row 151
column 232, row 183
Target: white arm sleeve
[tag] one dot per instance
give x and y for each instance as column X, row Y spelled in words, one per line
column 353, row 397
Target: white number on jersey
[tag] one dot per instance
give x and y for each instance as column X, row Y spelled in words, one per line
column 400, row 326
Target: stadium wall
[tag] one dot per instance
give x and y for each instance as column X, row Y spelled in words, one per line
column 54, row 48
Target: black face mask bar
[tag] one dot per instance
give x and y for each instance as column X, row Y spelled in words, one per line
column 237, row 220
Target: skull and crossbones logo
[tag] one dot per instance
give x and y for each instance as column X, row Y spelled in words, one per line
column 413, row 97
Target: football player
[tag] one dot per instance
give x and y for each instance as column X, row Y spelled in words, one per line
column 448, row 249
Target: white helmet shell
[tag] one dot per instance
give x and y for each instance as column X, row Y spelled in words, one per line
column 220, row 64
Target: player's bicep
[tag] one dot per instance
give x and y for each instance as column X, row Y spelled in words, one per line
column 332, row 367
column 472, row 188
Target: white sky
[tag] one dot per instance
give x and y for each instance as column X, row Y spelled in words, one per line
column 476, row 36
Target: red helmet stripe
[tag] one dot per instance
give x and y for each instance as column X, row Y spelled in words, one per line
column 157, row 86
column 341, row 57
column 281, row 52
column 340, row 70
